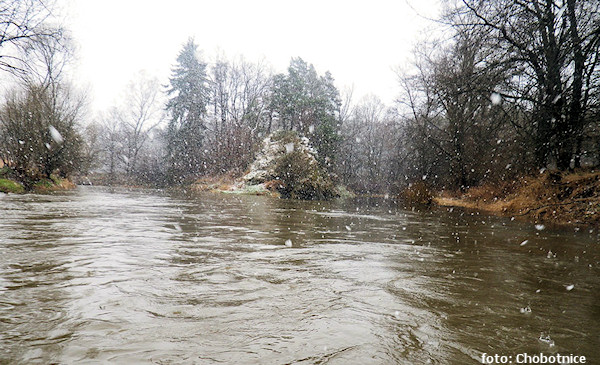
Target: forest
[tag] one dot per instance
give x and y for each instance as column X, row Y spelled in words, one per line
column 509, row 89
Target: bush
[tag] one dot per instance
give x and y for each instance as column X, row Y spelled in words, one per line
column 417, row 194
column 301, row 178
column 38, row 134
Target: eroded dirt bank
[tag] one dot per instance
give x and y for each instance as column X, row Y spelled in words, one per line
column 551, row 197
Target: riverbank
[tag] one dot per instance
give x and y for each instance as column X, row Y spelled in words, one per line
column 53, row 184
column 11, row 186
column 550, row 198
column 230, row 184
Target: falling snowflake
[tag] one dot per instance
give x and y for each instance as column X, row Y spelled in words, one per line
column 289, row 147
column 55, row 135
column 496, row 98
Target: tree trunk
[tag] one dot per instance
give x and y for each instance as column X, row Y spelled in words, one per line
column 575, row 128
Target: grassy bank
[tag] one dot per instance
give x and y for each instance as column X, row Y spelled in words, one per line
column 11, row 186
column 551, row 197
column 53, row 184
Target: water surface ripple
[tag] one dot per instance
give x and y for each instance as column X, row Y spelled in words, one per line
column 100, row 275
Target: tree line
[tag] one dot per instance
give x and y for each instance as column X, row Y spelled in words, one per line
column 510, row 88
column 513, row 91
column 212, row 116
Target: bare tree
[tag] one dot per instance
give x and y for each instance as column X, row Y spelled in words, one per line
column 111, row 142
column 552, row 45
column 138, row 116
column 38, row 133
column 238, row 114
column 92, row 148
column 39, row 120
column 126, row 129
column 24, row 23
column 46, row 62
column 370, row 138
column 453, row 122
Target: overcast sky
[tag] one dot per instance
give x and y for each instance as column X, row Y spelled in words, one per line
column 359, row 42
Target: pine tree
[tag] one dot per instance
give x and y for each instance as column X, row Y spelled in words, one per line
column 188, row 98
column 308, row 103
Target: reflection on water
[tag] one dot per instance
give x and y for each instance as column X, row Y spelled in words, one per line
column 103, row 275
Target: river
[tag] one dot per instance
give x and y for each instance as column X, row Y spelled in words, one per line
column 101, row 275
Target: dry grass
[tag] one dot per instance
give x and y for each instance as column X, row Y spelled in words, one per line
column 551, row 197
column 214, row 183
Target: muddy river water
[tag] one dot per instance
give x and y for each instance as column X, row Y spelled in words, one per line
column 101, row 275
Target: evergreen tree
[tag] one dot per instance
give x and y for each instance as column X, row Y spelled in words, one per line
column 188, row 98
column 308, row 103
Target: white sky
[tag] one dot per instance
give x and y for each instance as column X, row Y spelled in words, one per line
column 359, row 42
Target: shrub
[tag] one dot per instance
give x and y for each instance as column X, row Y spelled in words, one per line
column 417, row 194
column 301, row 178
column 38, row 133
